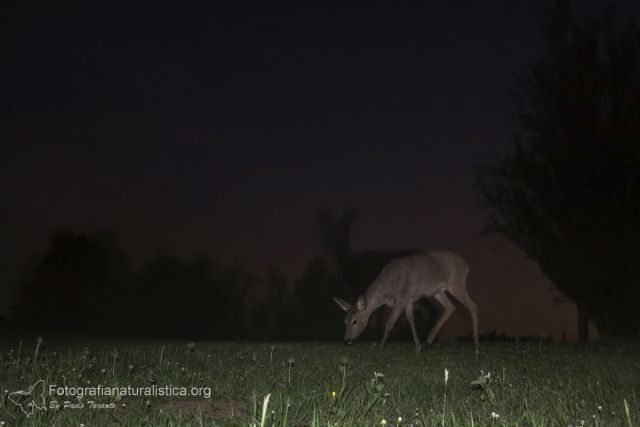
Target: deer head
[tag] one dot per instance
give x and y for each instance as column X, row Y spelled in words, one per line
column 356, row 317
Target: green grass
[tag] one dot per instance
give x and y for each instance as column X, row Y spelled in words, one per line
column 329, row 384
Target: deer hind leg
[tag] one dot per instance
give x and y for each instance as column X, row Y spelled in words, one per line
column 391, row 321
column 461, row 294
column 449, row 308
column 408, row 309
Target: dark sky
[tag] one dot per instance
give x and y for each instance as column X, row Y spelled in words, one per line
column 222, row 129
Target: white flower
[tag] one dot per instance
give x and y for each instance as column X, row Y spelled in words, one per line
column 495, row 415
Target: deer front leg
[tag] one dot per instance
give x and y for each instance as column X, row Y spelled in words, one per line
column 449, row 307
column 391, row 321
column 408, row 309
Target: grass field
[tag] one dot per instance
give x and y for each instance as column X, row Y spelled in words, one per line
column 324, row 384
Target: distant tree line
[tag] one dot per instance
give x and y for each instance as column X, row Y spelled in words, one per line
column 85, row 283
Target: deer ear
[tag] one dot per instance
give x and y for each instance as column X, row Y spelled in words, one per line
column 361, row 304
column 343, row 304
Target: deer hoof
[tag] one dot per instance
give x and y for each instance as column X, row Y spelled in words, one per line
column 418, row 349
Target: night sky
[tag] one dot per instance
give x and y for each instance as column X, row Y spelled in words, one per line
column 222, row 130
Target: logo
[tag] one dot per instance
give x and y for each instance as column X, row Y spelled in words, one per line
column 30, row 400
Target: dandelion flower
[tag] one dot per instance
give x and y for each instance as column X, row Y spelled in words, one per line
column 333, row 394
column 383, row 422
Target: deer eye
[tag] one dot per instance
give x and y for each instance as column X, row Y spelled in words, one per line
column 354, row 322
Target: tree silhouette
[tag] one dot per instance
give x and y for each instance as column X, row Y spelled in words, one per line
column 568, row 193
column 312, row 314
column 85, row 283
column 171, row 298
column 263, row 302
column 62, row 288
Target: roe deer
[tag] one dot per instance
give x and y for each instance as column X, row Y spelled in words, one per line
column 358, row 269
column 404, row 281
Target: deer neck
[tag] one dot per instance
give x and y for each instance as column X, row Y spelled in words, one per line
column 373, row 302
